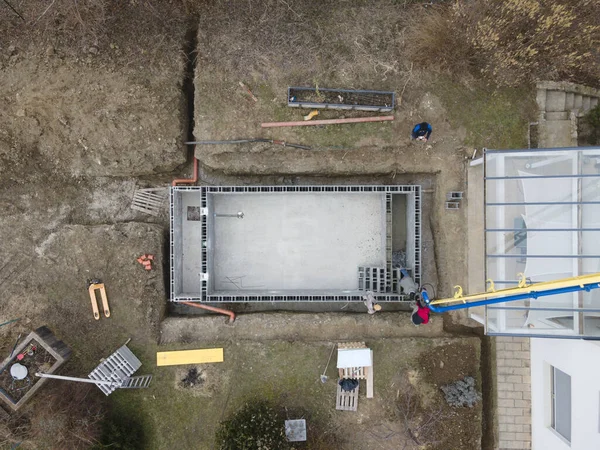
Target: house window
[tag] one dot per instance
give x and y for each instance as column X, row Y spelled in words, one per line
column 561, row 403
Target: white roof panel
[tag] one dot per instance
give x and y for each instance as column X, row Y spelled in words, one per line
column 354, row 357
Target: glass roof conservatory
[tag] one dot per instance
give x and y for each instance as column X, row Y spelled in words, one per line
column 542, row 219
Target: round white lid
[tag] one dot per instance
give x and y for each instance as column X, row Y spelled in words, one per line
column 18, row 371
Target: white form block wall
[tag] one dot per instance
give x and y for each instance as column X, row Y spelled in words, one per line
column 294, row 243
column 581, row 360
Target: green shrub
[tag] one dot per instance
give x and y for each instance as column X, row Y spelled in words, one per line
column 256, row 426
column 121, row 432
column 592, row 120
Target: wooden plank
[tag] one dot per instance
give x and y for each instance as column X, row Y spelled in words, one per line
column 370, row 378
column 153, row 212
column 144, row 199
column 205, row 355
column 353, row 372
column 327, row 122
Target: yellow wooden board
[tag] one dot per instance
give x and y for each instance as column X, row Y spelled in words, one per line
column 206, row 355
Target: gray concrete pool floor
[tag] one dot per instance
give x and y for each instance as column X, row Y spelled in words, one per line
column 296, row 241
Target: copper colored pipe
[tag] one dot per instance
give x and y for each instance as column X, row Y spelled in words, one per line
column 327, row 122
column 231, row 314
column 189, row 180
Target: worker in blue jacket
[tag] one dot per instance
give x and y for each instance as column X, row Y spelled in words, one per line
column 421, row 131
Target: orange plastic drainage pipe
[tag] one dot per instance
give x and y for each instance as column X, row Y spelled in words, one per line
column 192, row 180
column 327, row 122
column 231, row 314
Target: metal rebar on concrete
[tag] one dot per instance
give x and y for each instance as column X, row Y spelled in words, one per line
column 239, row 215
column 345, row 99
column 327, row 122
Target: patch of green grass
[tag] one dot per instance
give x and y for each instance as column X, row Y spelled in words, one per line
column 264, row 90
column 285, row 374
column 493, row 118
column 122, row 431
column 345, row 136
column 256, row 425
column 281, row 373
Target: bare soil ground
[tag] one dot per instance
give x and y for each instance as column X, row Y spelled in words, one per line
column 410, row 369
column 75, row 104
column 46, row 285
column 330, row 46
column 82, row 118
column 302, row 326
column 51, row 289
column 84, row 94
column 93, row 108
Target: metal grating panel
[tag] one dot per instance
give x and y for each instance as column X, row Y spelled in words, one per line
column 137, row 382
column 382, row 101
column 117, row 367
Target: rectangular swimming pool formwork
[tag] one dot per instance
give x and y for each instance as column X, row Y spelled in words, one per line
column 292, row 243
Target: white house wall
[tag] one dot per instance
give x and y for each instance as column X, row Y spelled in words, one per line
column 581, row 360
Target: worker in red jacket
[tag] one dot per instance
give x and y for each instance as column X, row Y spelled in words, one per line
column 420, row 314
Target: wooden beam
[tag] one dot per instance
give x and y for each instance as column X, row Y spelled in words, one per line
column 370, row 378
column 206, row 355
column 327, row 122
